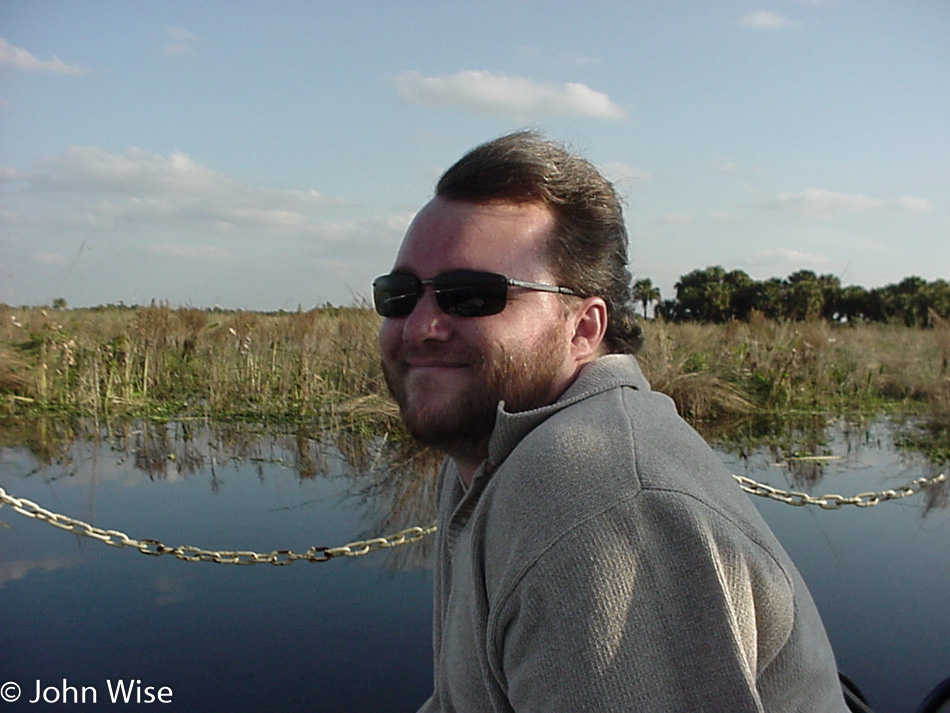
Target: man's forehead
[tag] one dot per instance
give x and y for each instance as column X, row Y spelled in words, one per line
column 488, row 227
column 507, row 238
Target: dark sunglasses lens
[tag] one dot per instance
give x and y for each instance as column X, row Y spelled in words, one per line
column 396, row 295
column 471, row 294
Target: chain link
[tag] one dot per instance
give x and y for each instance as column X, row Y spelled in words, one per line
column 155, row 548
column 834, row 501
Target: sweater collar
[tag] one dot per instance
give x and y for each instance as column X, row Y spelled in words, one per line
column 607, row 372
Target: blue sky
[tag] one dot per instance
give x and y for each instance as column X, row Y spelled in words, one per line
column 265, row 155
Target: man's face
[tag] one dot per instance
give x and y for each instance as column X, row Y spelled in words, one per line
column 449, row 373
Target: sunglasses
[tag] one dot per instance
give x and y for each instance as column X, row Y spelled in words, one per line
column 460, row 293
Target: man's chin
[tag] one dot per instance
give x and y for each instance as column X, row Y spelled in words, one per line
column 448, row 430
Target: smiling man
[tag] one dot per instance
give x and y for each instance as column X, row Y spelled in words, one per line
column 593, row 553
column 449, row 372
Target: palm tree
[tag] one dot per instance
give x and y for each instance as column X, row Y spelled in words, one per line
column 645, row 293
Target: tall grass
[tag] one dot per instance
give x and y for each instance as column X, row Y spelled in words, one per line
column 798, row 368
column 322, row 365
column 315, row 365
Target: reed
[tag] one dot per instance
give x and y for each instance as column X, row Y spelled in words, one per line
column 154, row 360
column 321, row 366
column 763, row 367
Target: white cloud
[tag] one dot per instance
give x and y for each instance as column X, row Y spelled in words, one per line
column 179, row 35
column 820, row 203
column 87, row 186
column 914, row 205
column 765, row 20
column 18, row 58
column 88, row 168
column 486, row 92
column 181, row 42
column 174, row 227
column 355, row 237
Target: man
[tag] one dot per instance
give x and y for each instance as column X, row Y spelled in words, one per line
column 593, row 554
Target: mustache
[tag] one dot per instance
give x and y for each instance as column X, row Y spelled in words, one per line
column 440, row 353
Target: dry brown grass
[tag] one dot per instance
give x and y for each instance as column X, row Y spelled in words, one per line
column 767, row 366
column 322, row 365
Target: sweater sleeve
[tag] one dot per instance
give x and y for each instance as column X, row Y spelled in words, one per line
column 601, row 622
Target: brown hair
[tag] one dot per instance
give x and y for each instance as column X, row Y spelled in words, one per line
column 588, row 250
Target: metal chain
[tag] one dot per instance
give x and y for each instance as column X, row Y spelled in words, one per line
column 833, row 501
column 155, row 548
column 115, row 538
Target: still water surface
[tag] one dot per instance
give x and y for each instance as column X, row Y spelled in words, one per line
column 353, row 635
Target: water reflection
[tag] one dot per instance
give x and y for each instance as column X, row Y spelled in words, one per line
column 12, row 570
column 392, row 479
column 834, row 453
column 878, row 574
column 347, row 635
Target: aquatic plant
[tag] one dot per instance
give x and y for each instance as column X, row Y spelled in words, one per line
column 321, row 366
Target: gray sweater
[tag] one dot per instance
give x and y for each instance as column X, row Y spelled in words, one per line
column 605, row 560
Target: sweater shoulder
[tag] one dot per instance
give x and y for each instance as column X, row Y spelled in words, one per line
column 608, row 446
column 620, row 455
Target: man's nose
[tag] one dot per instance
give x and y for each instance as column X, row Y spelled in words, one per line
column 427, row 322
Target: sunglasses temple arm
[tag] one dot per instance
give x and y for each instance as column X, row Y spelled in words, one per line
column 542, row 287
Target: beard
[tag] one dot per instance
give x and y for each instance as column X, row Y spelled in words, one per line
column 522, row 377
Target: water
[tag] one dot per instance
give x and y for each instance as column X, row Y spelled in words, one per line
column 348, row 635
column 880, row 575
column 353, row 634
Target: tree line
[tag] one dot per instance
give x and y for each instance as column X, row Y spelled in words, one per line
column 715, row 295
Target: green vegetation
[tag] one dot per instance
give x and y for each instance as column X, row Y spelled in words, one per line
column 715, row 295
column 806, row 368
column 321, row 367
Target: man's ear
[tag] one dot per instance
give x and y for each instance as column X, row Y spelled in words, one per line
column 590, row 325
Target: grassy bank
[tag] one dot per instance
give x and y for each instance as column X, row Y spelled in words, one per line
column 322, row 366
column 766, row 367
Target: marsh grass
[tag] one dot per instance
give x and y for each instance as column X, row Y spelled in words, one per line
column 763, row 367
column 322, row 367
